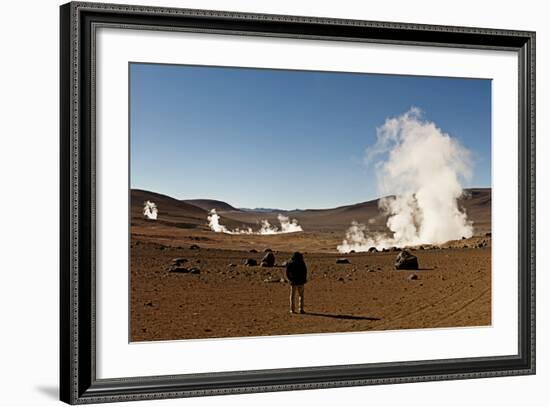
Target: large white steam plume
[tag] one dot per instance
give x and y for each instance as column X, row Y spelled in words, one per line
column 150, row 210
column 287, row 226
column 423, row 170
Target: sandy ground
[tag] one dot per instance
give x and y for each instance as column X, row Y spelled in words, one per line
column 229, row 299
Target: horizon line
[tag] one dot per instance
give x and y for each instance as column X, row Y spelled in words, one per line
column 276, row 208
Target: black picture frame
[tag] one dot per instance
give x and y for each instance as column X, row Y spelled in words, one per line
column 78, row 382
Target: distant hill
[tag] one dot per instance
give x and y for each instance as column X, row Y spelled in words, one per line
column 170, row 209
column 180, row 213
column 476, row 203
column 209, row 204
column 193, row 212
column 263, row 210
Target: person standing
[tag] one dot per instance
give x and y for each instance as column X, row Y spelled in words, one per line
column 296, row 273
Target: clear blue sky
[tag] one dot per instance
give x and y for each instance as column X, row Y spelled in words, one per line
column 284, row 139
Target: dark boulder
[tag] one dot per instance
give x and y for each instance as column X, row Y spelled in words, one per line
column 372, row 250
column 406, row 261
column 268, row 260
column 342, row 261
column 413, row 277
column 267, row 250
column 250, row 262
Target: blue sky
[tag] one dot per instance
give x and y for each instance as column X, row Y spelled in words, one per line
column 285, row 139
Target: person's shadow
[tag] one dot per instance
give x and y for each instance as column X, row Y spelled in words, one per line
column 342, row 316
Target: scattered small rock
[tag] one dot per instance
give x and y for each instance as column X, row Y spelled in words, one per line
column 179, row 261
column 274, row 279
column 372, row 250
column 488, row 234
column 149, row 304
column 352, row 251
column 250, row 262
column 342, row 260
column 184, row 270
column 232, row 265
column 267, row 250
column 406, row 261
column 194, row 247
column 179, row 269
column 341, row 279
column 413, row 277
column 253, row 251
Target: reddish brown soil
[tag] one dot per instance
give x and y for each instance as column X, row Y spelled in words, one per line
column 453, row 288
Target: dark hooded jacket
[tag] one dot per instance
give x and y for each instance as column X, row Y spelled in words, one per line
column 296, row 270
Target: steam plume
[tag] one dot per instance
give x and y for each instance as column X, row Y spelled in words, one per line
column 287, row 226
column 150, row 210
column 423, row 169
column 214, row 222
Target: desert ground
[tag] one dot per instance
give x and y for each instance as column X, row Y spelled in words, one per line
column 223, row 297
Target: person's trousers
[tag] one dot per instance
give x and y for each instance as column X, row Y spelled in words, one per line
column 296, row 289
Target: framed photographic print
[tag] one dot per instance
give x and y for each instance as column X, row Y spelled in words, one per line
column 255, row 203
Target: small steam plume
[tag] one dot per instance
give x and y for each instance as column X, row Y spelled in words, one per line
column 287, row 226
column 214, row 223
column 216, row 226
column 150, row 210
column 423, row 169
